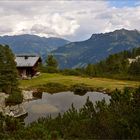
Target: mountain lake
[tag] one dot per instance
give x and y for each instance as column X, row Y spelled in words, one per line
column 52, row 104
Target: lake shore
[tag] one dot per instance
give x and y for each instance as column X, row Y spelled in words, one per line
column 54, row 83
column 15, row 110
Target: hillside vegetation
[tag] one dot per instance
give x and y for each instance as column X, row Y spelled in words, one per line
column 97, row 48
column 123, row 65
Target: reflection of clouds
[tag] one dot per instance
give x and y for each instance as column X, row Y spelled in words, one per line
column 61, row 100
column 43, row 108
column 52, row 104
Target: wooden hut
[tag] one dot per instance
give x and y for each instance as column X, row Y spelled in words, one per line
column 27, row 65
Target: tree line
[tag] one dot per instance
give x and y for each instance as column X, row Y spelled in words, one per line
column 114, row 66
column 117, row 66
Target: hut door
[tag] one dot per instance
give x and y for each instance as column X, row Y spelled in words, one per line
column 24, row 72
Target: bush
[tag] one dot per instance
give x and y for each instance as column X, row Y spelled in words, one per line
column 80, row 89
column 45, row 69
column 55, row 87
column 37, row 94
column 52, row 87
column 51, row 70
column 71, row 72
column 14, row 98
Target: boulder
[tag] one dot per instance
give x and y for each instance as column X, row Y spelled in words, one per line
column 27, row 95
column 3, row 96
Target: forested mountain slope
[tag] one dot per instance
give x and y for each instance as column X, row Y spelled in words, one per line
column 32, row 44
column 98, row 47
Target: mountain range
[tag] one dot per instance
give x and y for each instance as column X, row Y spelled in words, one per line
column 96, row 48
column 32, row 44
column 75, row 54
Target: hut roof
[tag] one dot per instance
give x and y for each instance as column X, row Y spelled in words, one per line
column 26, row 60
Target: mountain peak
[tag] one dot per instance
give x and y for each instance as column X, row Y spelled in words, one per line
column 122, row 31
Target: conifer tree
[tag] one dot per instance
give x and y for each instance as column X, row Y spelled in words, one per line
column 51, row 64
column 8, row 71
column 51, row 61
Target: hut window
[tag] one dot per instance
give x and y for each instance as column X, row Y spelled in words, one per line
column 26, row 57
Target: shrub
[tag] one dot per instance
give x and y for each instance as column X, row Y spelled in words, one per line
column 37, row 94
column 51, row 70
column 80, row 89
column 55, row 87
column 45, row 69
column 52, row 87
column 71, row 72
column 14, row 98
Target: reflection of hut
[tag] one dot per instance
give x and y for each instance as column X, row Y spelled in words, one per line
column 27, row 65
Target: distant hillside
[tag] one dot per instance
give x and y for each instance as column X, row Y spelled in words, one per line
column 122, row 65
column 32, row 44
column 98, row 47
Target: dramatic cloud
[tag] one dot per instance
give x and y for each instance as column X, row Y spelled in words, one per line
column 73, row 20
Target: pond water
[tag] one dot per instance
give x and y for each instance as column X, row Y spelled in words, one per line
column 52, row 104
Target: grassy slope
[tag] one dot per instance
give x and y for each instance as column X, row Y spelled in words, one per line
column 70, row 80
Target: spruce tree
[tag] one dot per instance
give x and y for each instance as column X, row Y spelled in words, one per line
column 9, row 76
column 51, row 64
column 8, row 71
column 51, row 61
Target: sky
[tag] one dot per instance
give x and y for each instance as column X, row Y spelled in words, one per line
column 73, row 20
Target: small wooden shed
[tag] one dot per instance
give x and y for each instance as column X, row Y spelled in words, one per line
column 27, row 65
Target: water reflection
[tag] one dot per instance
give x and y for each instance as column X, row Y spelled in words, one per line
column 41, row 108
column 58, row 103
column 80, row 93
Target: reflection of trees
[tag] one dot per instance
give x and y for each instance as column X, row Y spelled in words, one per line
column 37, row 94
column 80, row 89
column 79, row 92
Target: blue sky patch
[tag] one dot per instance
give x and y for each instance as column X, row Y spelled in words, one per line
column 124, row 3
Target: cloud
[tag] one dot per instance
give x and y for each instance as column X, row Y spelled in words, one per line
column 117, row 18
column 73, row 20
column 4, row 29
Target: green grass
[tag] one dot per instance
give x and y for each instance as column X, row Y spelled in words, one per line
column 103, row 83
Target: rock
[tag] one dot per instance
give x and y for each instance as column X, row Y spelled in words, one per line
column 27, row 95
column 1, row 109
column 3, row 96
column 11, row 114
column 6, row 110
column 16, row 110
column 13, row 108
column 20, row 111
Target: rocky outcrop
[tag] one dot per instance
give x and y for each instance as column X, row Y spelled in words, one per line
column 27, row 95
column 16, row 110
